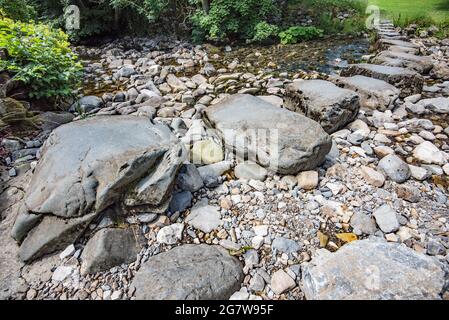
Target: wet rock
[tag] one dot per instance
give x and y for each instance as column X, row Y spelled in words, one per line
column 372, row 270
column 212, row 274
column 324, row 102
column 301, row 143
column 109, row 248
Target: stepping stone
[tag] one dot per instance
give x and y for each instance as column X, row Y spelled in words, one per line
column 374, row 94
column 383, row 44
column 390, row 35
column 408, row 81
column 372, row 269
column 324, row 102
column 421, row 64
column 277, row 139
column 189, row 272
column 403, row 49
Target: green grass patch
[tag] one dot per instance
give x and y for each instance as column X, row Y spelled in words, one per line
column 411, row 10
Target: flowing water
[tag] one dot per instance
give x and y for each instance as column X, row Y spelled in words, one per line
column 323, row 55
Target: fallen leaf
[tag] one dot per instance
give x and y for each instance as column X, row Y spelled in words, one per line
column 346, row 237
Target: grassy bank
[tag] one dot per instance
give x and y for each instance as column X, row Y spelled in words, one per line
column 434, row 10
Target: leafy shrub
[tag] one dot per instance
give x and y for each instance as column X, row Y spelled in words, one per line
column 264, row 31
column 39, row 57
column 233, row 19
column 17, row 9
column 336, row 5
column 296, row 34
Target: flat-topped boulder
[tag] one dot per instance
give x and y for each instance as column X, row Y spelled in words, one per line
column 384, row 44
column 277, row 139
column 89, row 165
column 390, row 35
column 324, row 102
column 374, row 94
column 189, row 272
column 372, row 269
column 408, row 81
column 421, row 64
column 403, row 49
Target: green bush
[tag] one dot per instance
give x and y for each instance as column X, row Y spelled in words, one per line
column 17, row 9
column 264, row 31
column 231, row 19
column 39, row 57
column 296, row 34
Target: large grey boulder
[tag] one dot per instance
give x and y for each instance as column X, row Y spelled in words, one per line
column 374, row 94
column 372, row 269
column 324, row 102
column 278, row 139
column 189, row 272
column 89, row 165
column 421, row 64
column 408, row 81
column 108, row 248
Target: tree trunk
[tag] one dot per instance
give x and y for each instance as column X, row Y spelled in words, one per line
column 206, row 6
column 116, row 18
